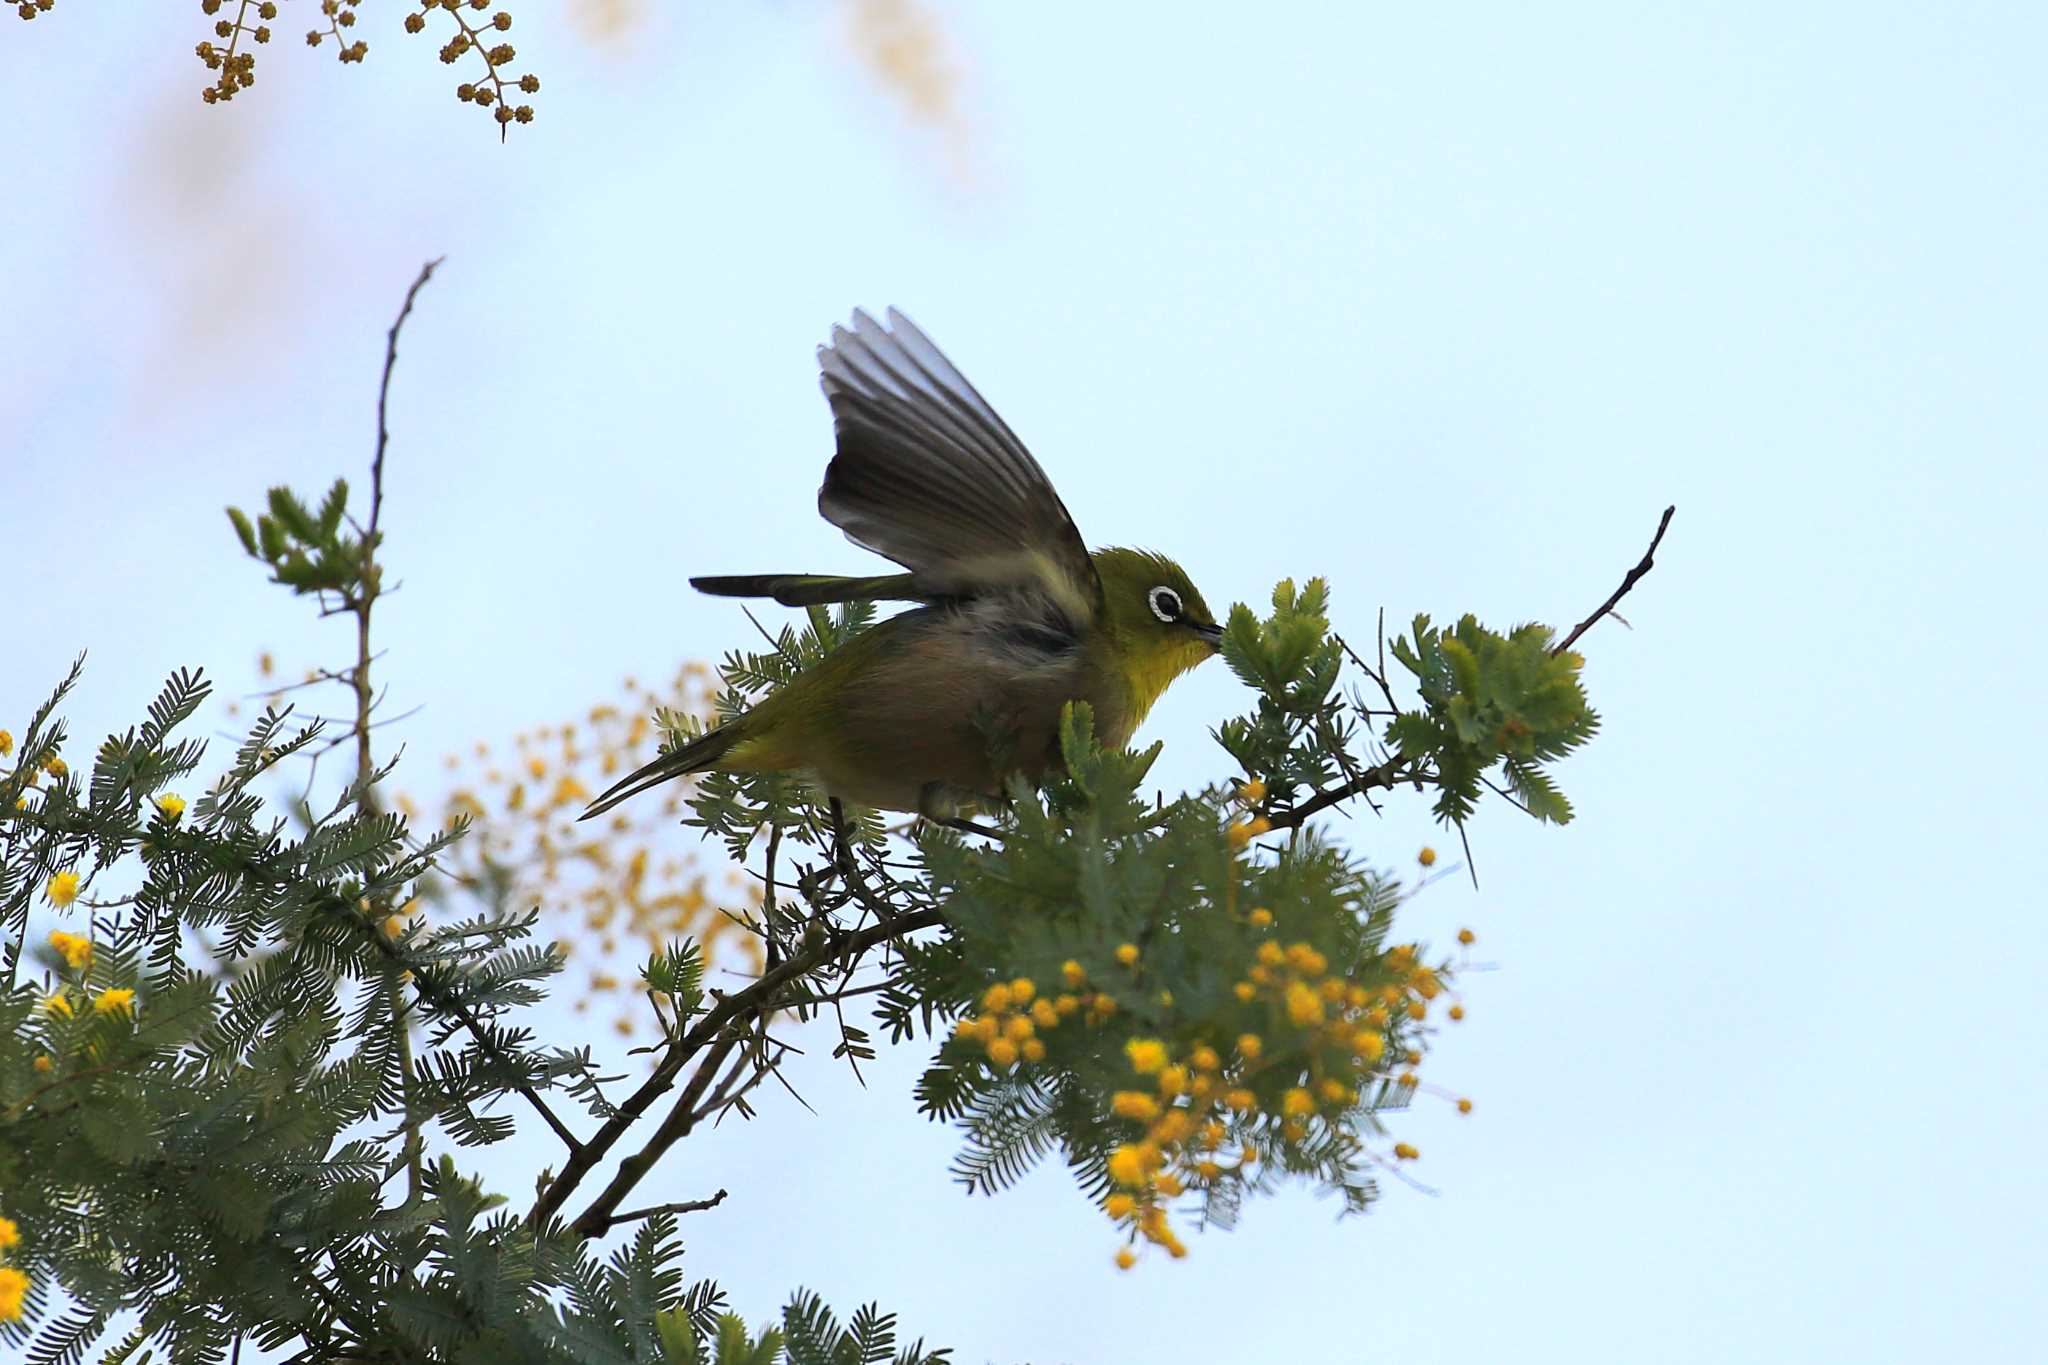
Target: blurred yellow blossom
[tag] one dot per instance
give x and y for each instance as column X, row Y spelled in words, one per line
column 62, row 890
column 118, row 1000
column 76, row 948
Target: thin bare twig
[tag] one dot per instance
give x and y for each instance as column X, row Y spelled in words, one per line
column 685, row 1206
column 1642, row 567
column 1391, row 773
column 384, row 393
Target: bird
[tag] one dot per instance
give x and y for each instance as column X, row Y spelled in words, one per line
column 930, row 711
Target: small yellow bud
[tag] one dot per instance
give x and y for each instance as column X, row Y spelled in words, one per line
column 1103, row 1003
column 1271, row 954
column 1298, row 1103
column 1405, row 1151
column 1336, row 1092
column 1044, row 1013
column 1409, row 1079
column 1464, row 1106
column 1002, row 1052
column 1018, row 1028
column 1065, row 1005
column 1241, row 1100
column 1245, row 991
column 1251, row 792
column 1127, row 1165
column 1033, row 1050
column 1127, row 953
column 1427, row 857
column 1306, row 960
column 1072, row 973
column 1249, row 1046
column 62, row 890
column 1147, row 1055
column 1457, row 1012
column 1134, row 1104
column 1304, row 1006
column 996, row 998
column 1417, row 1010
column 1261, row 918
column 114, row 1001
column 1370, row 1047
column 1021, row 990
column 1173, row 1125
column 43, row 1062
column 1173, row 1080
column 1205, row 1058
column 1126, row 1258
column 171, row 804
column 1119, row 1206
column 1467, row 937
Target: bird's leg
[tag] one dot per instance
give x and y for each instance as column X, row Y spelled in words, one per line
column 970, row 827
column 941, row 805
column 842, row 850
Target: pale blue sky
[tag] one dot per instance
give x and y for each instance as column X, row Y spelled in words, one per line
column 1443, row 307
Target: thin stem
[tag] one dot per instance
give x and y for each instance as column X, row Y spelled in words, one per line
column 713, row 1026
column 1643, row 566
column 685, row 1206
column 361, row 604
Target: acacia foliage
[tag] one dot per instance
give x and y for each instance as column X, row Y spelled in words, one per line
column 1188, row 1001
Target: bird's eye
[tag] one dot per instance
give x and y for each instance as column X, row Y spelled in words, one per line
column 1165, row 604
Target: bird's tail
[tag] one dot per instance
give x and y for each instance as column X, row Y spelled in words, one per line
column 813, row 589
column 694, row 757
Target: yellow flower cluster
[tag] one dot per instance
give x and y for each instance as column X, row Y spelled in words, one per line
column 1199, row 1098
column 171, row 804
column 1202, row 1110
column 237, row 68
column 1013, row 1015
column 76, row 948
column 339, row 14
column 628, row 885
column 13, row 1284
column 490, row 92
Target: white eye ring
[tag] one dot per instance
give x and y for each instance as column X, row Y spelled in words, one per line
column 1165, row 603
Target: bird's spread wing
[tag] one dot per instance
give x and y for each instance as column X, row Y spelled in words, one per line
column 927, row 475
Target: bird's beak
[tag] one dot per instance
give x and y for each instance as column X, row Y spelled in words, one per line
column 1213, row 634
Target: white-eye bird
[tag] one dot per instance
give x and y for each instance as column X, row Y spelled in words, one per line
column 929, row 710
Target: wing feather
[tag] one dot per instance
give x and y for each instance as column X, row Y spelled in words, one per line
column 927, row 474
